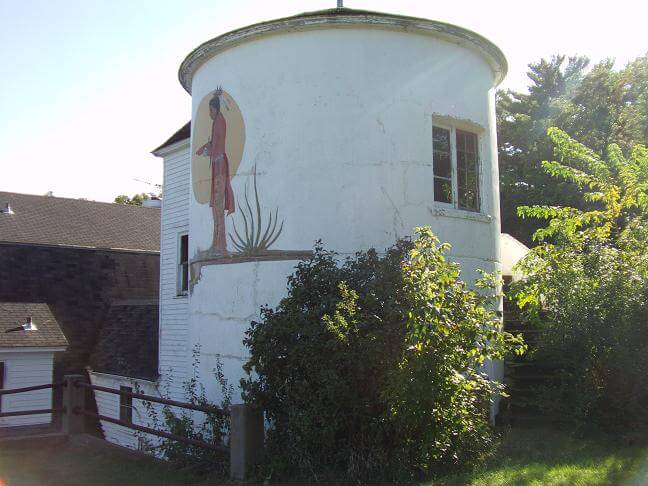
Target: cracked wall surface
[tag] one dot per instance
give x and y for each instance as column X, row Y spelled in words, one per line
column 339, row 125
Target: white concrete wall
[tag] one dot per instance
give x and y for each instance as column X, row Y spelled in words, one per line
column 339, row 125
column 174, row 355
column 24, row 369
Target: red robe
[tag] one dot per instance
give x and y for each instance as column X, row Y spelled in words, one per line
column 219, row 163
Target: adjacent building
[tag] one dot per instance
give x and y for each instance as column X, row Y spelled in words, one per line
column 30, row 337
column 88, row 268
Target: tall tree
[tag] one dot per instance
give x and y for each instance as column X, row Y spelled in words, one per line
column 586, row 292
column 596, row 106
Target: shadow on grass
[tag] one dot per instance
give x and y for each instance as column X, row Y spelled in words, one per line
column 72, row 465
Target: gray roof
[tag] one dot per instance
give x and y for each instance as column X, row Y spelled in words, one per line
column 182, row 133
column 14, row 314
column 46, row 220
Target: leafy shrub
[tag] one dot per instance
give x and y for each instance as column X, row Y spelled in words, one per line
column 371, row 367
column 211, row 428
column 585, row 287
column 594, row 324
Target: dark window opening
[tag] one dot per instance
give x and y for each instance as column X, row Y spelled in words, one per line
column 183, row 265
column 2, row 380
column 126, row 405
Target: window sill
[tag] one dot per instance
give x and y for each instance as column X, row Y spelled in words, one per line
column 449, row 212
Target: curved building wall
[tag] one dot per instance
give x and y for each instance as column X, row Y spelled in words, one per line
column 338, row 129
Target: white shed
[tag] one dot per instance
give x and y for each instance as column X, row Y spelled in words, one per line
column 29, row 338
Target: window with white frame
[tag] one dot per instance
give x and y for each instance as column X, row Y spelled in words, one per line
column 456, row 167
column 183, row 264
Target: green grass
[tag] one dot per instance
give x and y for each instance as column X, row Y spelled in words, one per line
column 544, row 456
column 534, row 456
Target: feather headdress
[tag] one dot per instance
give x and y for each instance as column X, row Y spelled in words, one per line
column 219, row 93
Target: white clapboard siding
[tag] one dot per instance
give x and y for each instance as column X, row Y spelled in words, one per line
column 175, row 355
column 22, row 369
column 108, row 405
column 174, row 352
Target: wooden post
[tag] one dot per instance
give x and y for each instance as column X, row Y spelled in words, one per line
column 246, row 440
column 73, row 397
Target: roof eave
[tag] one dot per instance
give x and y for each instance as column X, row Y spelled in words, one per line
column 164, row 150
column 33, row 349
column 344, row 18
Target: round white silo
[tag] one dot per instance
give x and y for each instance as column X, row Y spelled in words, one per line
column 335, row 112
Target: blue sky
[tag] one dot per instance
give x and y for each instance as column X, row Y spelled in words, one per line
column 89, row 87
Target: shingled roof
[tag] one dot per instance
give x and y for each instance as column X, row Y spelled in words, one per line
column 46, row 220
column 14, row 314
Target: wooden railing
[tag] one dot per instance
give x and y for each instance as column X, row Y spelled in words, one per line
column 149, row 430
column 246, row 426
column 18, row 413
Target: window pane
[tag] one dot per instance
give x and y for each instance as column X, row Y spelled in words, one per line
column 466, row 141
column 461, row 141
column 461, row 160
column 442, row 167
column 184, row 248
column 467, row 171
column 441, row 139
column 183, row 265
column 467, row 200
column 442, row 190
column 185, row 277
column 471, row 144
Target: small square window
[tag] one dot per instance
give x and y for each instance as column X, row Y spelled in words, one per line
column 126, row 405
column 456, row 167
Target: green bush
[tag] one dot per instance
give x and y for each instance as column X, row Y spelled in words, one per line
column 372, row 367
column 211, row 428
column 593, row 317
column 585, row 287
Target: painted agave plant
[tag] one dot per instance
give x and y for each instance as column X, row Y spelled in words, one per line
column 255, row 236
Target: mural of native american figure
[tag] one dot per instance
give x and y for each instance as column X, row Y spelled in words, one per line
column 221, row 198
column 219, row 138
